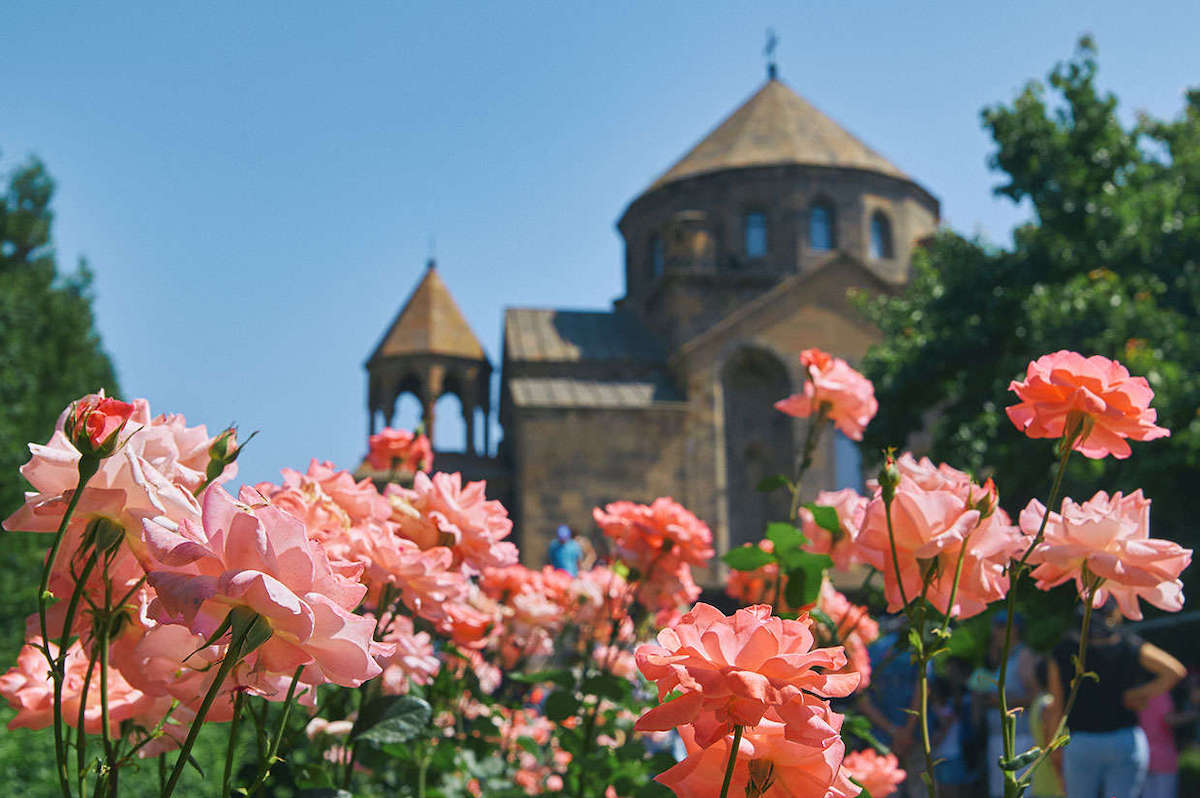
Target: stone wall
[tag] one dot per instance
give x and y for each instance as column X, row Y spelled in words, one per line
column 568, row 461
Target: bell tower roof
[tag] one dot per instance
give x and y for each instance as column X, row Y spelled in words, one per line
column 430, row 323
column 777, row 126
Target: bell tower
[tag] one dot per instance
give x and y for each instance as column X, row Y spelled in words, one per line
column 429, row 350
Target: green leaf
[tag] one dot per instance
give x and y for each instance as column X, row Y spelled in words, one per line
column 786, row 537
column 1021, row 760
column 747, row 558
column 560, row 676
column 822, row 618
column 561, row 705
column 773, row 483
column 826, row 518
column 397, row 720
column 804, row 576
column 606, row 685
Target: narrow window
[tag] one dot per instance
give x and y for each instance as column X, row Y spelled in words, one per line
column 820, row 227
column 658, row 256
column 881, row 236
column 754, row 227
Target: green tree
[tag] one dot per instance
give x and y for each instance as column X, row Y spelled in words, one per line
column 50, row 353
column 1109, row 264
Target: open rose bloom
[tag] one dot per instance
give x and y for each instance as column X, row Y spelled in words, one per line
column 1110, row 538
column 734, row 671
column 851, row 508
column 848, row 397
column 1062, row 383
column 881, row 776
column 400, row 450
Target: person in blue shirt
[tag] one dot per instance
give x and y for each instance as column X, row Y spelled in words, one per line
column 565, row 551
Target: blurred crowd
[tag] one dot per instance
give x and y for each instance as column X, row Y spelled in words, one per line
column 1128, row 729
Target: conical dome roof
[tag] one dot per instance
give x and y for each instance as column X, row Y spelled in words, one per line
column 430, row 323
column 777, row 126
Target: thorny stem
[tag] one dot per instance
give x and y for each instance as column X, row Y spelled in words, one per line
column 816, row 424
column 733, row 750
column 80, row 733
column 1007, row 720
column 231, row 747
column 1076, row 679
column 887, row 511
column 232, row 655
column 87, row 469
column 265, row 769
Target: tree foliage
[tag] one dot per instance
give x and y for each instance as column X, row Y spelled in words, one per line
column 50, row 353
column 1109, row 264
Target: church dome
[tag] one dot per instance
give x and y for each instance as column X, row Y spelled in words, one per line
column 774, row 127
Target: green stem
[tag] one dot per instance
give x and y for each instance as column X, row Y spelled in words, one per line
column 80, row 733
column 110, row 758
column 1007, row 721
column 733, row 750
column 1076, row 680
column 815, row 426
column 887, row 511
column 265, row 770
column 962, row 553
column 231, row 747
column 232, row 655
column 930, row 779
column 422, row 769
column 86, row 469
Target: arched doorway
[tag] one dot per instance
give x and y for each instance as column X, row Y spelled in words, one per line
column 758, row 441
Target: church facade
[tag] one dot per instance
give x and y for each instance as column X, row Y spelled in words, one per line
column 745, row 252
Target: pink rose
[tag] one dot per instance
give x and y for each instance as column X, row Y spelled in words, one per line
column 256, row 556
column 440, row 511
column 1110, row 538
column 879, row 775
column 732, row 671
column 848, row 397
column 401, row 450
column 1097, row 388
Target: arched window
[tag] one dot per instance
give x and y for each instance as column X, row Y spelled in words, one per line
column 820, row 227
column 658, row 255
column 881, row 236
column 754, row 234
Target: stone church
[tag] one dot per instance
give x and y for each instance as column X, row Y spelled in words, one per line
column 737, row 257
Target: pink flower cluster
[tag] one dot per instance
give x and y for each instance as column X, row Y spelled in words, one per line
column 660, row 542
column 937, row 514
column 854, row 629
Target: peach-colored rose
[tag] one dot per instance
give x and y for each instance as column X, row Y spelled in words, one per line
column 850, row 509
column 399, row 449
column 849, row 397
column 1111, row 537
column 768, row 765
column 259, row 557
column 879, row 775
column 734, row 670
column 1118, row 405
column 440, row 511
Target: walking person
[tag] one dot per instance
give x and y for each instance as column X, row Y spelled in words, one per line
column 1108, row 754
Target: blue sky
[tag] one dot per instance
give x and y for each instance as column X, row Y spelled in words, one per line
column 256, row 184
